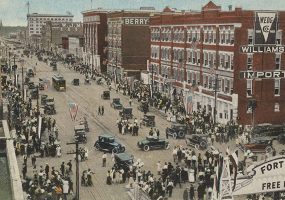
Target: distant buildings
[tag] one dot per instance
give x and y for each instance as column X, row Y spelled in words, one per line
column 53, row 32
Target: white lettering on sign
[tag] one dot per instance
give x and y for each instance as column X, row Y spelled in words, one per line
column 262, row 74
column 262, row 49
column 265, row 20
column 136, row 21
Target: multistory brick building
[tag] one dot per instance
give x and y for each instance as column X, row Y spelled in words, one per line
column 199, row 55
column 128, row 42
column 53, row 32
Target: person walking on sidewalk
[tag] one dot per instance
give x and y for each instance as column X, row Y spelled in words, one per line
column 99, row 110
column 104, row 160
column 130, row 103
column 102, row 110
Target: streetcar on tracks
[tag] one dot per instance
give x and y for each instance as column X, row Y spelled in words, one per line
column 59, row 83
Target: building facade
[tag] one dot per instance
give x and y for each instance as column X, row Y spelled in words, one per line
column 199, row 55
column 95, row 45
column 128, row 42
column 36, row 21
column 53, row 32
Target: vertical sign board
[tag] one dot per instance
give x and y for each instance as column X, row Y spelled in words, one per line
column 265, row 28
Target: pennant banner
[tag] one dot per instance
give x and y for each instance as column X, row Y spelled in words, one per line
column 73, row 108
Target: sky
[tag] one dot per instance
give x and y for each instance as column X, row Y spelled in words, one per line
column 13, row 12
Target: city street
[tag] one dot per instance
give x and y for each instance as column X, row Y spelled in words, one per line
column 88, row 97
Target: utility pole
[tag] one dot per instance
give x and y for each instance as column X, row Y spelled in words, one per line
column 216, row 91
column 77, row 166
column 151, row 81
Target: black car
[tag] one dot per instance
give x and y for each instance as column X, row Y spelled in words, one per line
column 197, row 141
column 177, row 131
column 268, row 130
column 105, row 95
column 75, row 82
column 143, row 106
column 116, row 104
column 34, row 93
column 80, row 134
column 123, row 161
column 43, row 99
column 30, row 73
column 126, row 113
column 281, row 138
column 31, row 85
column 148, row 120
column 153, row 143
column 108, row 143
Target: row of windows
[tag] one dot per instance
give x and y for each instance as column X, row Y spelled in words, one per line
column 193, row 57
column 277, row 41
column 277, row 61
column 50, row 19
column 249, row 87
column 226, row 35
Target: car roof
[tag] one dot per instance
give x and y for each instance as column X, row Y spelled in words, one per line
column 77, row 127
column 124, row 156
column 106, row 135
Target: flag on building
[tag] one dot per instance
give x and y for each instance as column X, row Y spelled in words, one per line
column 189, row 104
column 234, row 160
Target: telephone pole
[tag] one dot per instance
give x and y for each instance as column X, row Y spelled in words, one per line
column 77, row 166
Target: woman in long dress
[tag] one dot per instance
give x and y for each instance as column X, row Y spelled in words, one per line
column 58, row 151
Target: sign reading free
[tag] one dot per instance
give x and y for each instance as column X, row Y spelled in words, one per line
column 136, row 21
column 268, row 176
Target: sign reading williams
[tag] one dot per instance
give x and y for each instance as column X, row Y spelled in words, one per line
column 265, row 28
column 261, row 74
column 262, row 49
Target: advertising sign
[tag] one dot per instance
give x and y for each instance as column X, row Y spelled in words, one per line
column 265, row 28
column 136, row 21
column 269, row 176
column 262, row 74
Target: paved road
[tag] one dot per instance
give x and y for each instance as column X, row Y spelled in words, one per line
column 88, row 97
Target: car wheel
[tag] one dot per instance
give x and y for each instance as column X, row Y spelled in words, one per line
column 166, row 146
column 115, row 150
column 197, row 146
column 97, row 146
column 181, row 134
column 174, row 135
column 123, row 149
column 146, row 148
column 203, row 145
column 268, row 149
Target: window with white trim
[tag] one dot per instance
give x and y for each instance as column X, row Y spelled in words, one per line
column 277, row 87
column 279, row 37
column 276, row 107
column 249, row 61
column 277, row 61
column 250, row 36
column 248, row 87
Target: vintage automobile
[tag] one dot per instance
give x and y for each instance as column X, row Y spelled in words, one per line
column 126, row 113
column 281, row 139
column 148, row 120
column 105, row 95
column 177, row 131
column 48, row 101
column 199, row 141
column 123, row 160
column 268, row 130
column 49, row 109
column 31, row 85
column 43, row 98
column 30, row 72
column 80, row 134
column 143, row 106
column 258, row 145
column 153, row 143
column 84, row 123
column 34, row 93
column 53, row 64
column 75, row 82
column 107, row 142
column 116, row 104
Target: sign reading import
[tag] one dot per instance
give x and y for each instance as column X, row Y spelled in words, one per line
column 136, row 21
column 262, row 74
